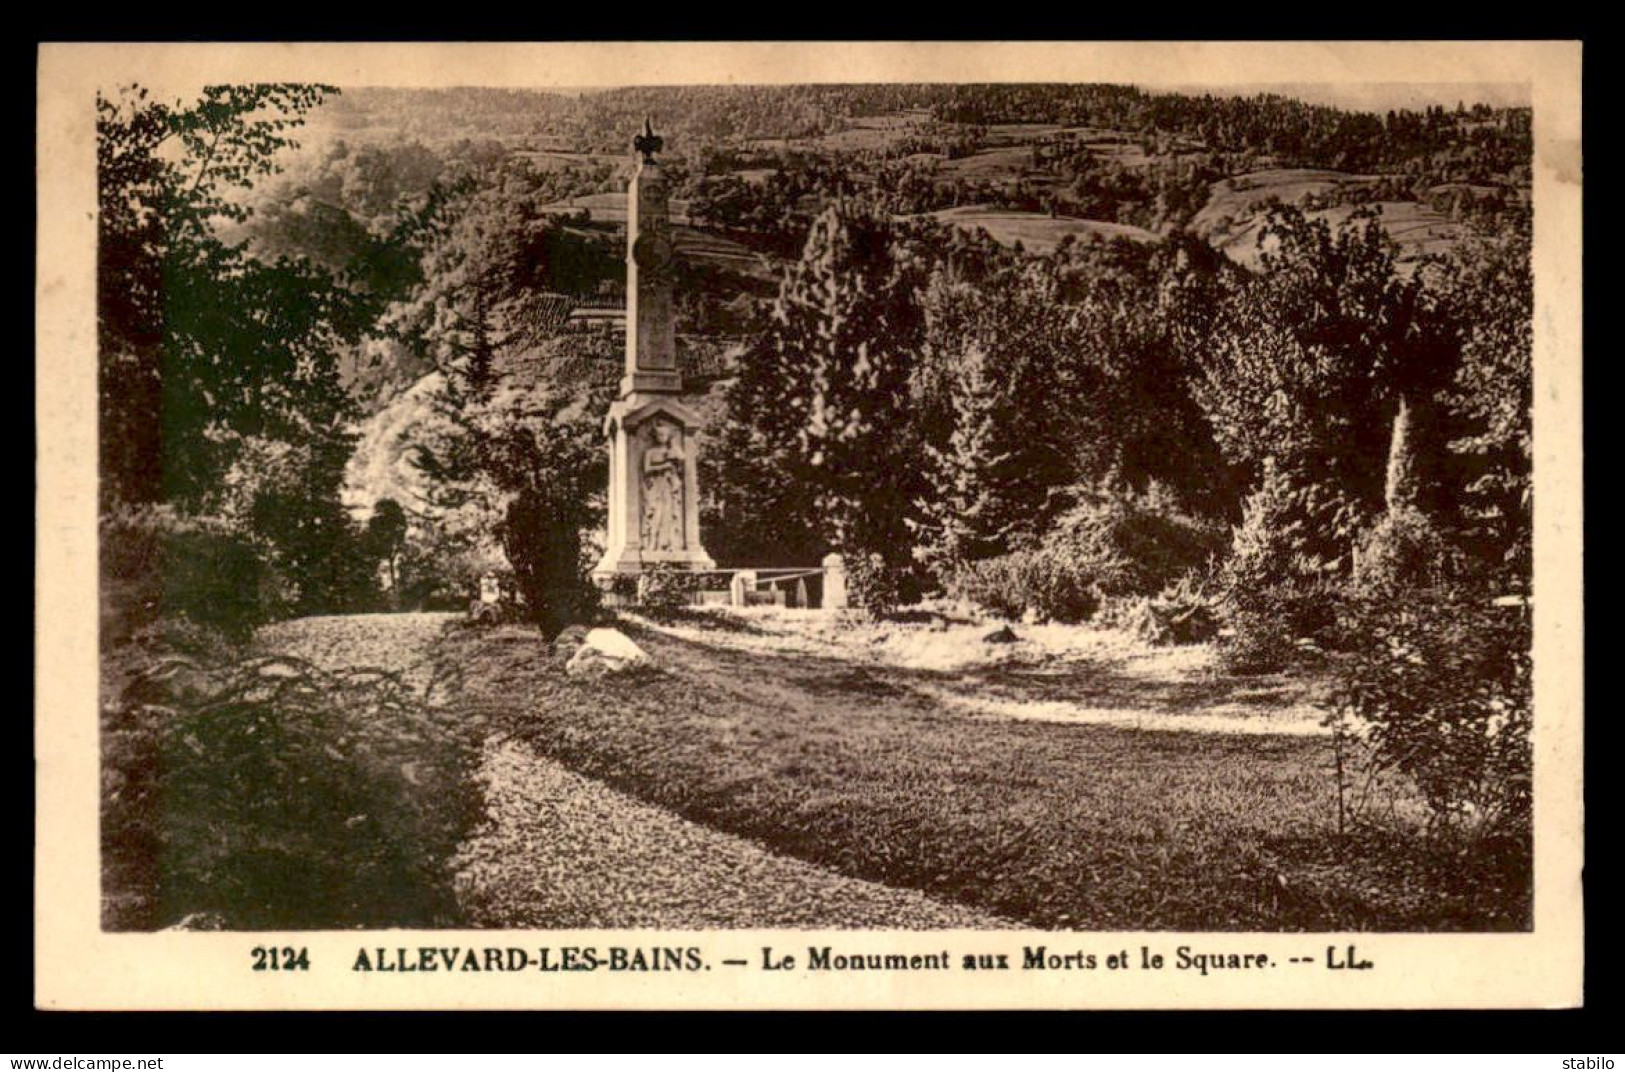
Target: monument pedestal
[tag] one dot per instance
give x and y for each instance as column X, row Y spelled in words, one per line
column 654, row 507
column 654, row 512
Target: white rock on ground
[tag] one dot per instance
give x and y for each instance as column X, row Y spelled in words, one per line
column 605, row 651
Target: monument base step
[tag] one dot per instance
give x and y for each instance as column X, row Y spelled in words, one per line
column 638, row 561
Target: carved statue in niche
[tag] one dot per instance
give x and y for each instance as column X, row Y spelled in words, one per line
column 663, row 492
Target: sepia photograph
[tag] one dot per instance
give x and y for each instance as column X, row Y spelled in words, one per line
column 1056, row 507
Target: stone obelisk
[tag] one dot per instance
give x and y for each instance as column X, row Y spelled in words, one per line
column 654, row 509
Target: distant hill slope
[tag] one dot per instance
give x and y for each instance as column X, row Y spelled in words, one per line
column 611, row 207
column 1234, row 214
column 1036, row 232
column 1006, row 156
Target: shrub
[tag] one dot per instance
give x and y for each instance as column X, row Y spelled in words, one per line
column 267, row 794
column 1438, row 688
column 1281, row 625
column 1134, row 544
column 880, row 586
column 1113, row 544
column 996, row 585
column 1279, row 591
column 156, row 564
column 437, row 574
column 624, row 586
column 1050, row 585
column 1183, row 613
column 666, row 588
column 1402, row 551
column 1292, row 528
column 541, row 537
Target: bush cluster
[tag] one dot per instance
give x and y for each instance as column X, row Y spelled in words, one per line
column 159, row 564
column 1134, row 544
column 667, row 588
column 1276, row 626
column 1048, row 585
column 1112, row 545
column 1437, row 687
column 1279, row 593
column 1403, row 550
column 1185, row 612
column 264, row 793
column 879, row 585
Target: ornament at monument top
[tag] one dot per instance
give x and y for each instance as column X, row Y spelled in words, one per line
column 648, row 143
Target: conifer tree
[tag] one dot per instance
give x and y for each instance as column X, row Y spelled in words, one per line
column 820, row 441
column 516, row 452
column 969, row 513
column 1307, row 360
column 1489, row 291
column 1308, row 364
column 764, row 513
column 994, row 366
column 858, row 321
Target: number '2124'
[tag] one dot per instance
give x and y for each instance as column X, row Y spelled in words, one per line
column 270, row 958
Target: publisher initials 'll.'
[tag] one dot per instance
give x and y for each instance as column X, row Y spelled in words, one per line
column 1346, row 960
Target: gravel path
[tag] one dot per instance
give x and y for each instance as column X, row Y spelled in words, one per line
column 395, row 642
column 559, row 850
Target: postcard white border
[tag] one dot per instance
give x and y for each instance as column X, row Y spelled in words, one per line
column 80, row 967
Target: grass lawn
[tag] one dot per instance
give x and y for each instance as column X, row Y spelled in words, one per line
column 863, row 769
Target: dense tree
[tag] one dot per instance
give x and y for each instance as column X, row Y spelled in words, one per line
column 759, row 511
column 1136, row 420
column 972, row 508
column 1309, row 363
column 220, row 392
column 199, row 343
column 518, row 453
column 819, row 429
column 384, row 540
column 525, row 465
column 317, row 551
column 852, row 308
column 1029, row 381
column 1043, row 382
column 1489, row 294
column 991, row 399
